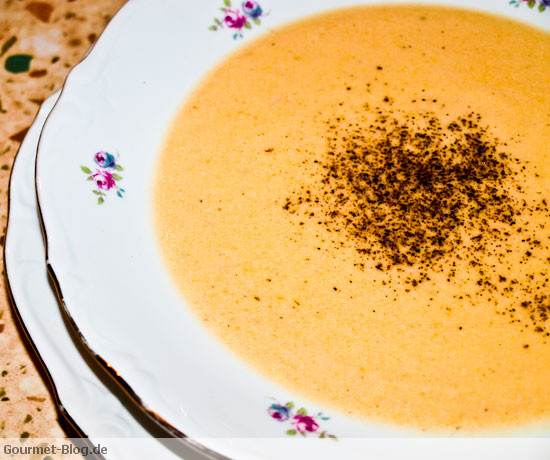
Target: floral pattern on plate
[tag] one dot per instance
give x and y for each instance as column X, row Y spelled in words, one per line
column 105, row 177
column 300, row 421
column 542, row 4
column 239, row 18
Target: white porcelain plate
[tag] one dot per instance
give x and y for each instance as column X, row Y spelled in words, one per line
column 82, row 389
column 104, row 257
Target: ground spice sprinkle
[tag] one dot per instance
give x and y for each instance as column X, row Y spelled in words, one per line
column 411, row 190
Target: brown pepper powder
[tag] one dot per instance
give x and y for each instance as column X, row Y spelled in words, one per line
column 409, row 190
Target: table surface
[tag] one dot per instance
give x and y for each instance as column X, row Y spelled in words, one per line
column 40, row 41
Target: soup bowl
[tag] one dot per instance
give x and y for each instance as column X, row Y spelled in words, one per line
column 95, row 170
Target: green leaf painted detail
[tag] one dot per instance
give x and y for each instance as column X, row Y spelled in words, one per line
column 227, row 3
column 290, row 405
column 213, row 28
column 100, row 200
column 301, row 411
column 541, row 8
column 18, row 63
column 86, row 169
column 117, row 177
column 291, row 432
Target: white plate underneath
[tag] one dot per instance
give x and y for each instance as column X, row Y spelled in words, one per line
column 84, row 392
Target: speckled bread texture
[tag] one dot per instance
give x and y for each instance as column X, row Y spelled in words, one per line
column 39, row 43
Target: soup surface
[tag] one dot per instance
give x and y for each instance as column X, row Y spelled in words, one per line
column 356, row 205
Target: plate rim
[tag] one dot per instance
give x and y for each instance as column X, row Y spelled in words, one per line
column 67, row 422
column 65, row 417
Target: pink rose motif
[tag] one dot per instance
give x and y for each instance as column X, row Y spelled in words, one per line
column 104, row 180
column 305, row 424
column 234, row 19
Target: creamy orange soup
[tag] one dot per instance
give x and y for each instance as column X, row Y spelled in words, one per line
column 355, row 204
